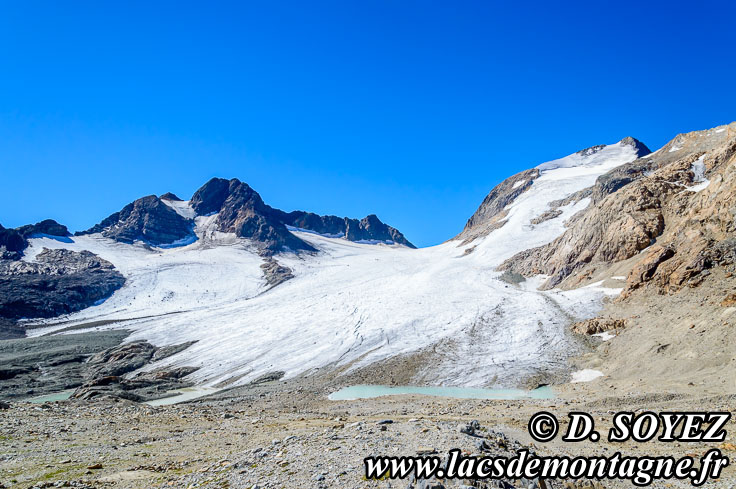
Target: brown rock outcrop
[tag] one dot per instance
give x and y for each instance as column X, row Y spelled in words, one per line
column 598, row 325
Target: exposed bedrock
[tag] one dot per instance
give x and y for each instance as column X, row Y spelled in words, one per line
column 95, row 364
column 241, row 210
column 57, row 282
column 674, row 210
column 147, row 219
column 14, row 241
column 491, row 212
column 598, row 325
column 105, row 371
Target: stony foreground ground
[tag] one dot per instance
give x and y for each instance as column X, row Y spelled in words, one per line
column 288, row 435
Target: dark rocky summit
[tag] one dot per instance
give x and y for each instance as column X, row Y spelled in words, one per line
column 47, row 227
column 241, row 210
column 57, row 282
column 147, row 219
column 12, row 241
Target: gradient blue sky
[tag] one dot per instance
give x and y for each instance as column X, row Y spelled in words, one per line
column 410, row 110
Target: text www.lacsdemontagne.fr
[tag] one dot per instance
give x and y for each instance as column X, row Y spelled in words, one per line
column 641, row 471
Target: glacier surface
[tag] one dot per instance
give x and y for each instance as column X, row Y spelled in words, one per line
column 353, row 304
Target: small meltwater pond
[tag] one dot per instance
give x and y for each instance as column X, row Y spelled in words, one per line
column 56, row 396
column 369, row 391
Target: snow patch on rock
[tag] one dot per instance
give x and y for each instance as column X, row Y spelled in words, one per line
column 181, row 207
column 698, row 169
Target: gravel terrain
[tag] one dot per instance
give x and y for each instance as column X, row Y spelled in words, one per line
column 288, row 435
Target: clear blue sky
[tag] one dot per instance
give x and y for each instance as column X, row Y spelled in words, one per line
column 410, row 110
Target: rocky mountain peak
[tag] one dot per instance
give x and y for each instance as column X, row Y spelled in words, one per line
column 210, row 196
column 171, row 197
column 641, row 148
column 147, row 219
column 240, row 210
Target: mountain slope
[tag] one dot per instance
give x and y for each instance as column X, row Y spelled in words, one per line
column 678, row 204
column 663, row 229
column 493, row 211
column 241, row 211
column 440, row 315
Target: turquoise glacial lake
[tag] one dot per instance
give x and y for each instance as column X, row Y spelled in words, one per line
column 369, row 391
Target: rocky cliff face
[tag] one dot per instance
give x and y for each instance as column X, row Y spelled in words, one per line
column 672, row 210
column 241, row 210
column 147, row 219
column 491, row 213
column 370, row 228
column 57, row 282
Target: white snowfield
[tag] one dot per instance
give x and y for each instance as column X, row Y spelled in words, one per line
column 352, row 304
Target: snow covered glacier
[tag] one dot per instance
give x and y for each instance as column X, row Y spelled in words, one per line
column 351, row 304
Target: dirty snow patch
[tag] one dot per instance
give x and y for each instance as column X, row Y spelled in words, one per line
column 585, row 375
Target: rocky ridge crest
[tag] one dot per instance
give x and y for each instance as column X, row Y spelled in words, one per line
column 240, row 210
